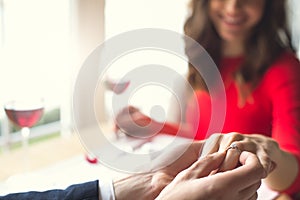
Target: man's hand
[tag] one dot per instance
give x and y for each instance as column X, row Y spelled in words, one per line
column 196, row 182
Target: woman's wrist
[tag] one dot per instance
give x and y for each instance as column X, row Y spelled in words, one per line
column 285, row 172
column 167, row 128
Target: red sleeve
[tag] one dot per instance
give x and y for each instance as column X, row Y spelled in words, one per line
column 193, row 127
column 170, row 129
column 283, row 80
column 198, row 114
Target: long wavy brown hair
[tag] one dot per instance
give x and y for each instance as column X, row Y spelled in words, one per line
column 269, row 38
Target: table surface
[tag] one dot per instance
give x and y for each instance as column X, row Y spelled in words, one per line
column 57, row 163
column 39, row 155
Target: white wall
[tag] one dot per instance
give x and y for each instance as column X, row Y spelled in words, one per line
column 88, row 29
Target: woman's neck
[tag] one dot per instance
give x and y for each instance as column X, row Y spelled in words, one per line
column 232, row 49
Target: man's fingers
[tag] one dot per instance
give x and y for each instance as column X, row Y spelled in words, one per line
column 204, row 166
column 250, row 191
column 247, row 174
column 211, row 145
column 251, row 168
column 254, row 196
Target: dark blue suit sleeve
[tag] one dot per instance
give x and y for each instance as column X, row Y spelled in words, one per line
column 83, row 191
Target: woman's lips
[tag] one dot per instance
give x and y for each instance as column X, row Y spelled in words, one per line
column 233, row 21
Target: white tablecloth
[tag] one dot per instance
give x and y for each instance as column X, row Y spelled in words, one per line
column 78, row 170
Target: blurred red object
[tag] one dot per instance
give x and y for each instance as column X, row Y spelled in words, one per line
column 91, row 159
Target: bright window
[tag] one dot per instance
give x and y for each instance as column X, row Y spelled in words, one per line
column 34, row 51
column 122, row 16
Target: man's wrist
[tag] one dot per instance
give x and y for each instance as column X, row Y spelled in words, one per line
column 136, row 186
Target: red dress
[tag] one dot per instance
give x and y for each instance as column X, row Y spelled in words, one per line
column 273, row 108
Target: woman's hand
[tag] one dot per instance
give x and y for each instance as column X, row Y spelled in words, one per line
column 134, row 123
column 197, row 183
column 268, row 152
column 264, row 147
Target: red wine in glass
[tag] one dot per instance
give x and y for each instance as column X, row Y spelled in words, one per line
column 24, row 118
column 25, row 115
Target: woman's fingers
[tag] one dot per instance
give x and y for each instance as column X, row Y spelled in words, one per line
column 227, row 139
column 260, row 152
column 132, row 109
column 258, row 145
column 220, row 142
column 231, row 160
column 134, row 123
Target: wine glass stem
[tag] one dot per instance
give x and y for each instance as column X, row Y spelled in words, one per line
column 25, row 131
column 25, row 135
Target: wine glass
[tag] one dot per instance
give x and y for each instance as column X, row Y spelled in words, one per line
column 117, row 87
column 24, row 114
column 114, row 87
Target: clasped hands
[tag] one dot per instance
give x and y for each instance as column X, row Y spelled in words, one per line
column 229, row 174
column 225, row 173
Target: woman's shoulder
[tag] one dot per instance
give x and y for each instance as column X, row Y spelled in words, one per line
column 287, row 64
column 283, row 73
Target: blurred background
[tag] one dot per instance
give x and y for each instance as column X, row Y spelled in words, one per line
column 43, row 44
